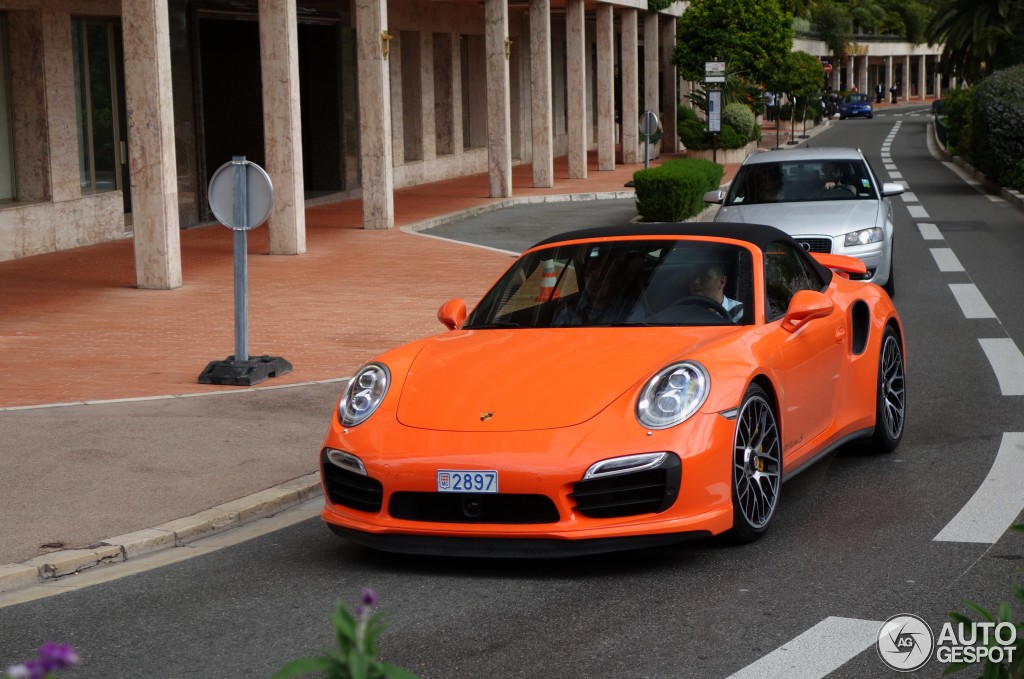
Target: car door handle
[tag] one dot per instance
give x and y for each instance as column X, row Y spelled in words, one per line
column 840, row 333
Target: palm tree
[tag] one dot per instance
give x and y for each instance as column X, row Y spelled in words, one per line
column 980, row 36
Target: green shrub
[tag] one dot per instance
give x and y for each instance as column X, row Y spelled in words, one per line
column 956, row 110
column 685, row 114
column 740, row 118
column 693, row 135
column 674, row 190
column 730, row 138
column 997, row 124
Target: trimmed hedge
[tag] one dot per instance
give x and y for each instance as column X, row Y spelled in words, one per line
column 997, row 126
column 674, row 190
column 740, row 118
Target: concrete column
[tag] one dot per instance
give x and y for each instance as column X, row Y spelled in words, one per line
column 605, row 88
column 371, row 18
column 428, row 125
column 906, row 78
column 558, row 85
column 151, row 154
column 444, row 104
column 456, row 95
column 28, row 106
column 576, row 86
column 282, row 125
column 836, row 79
column 394, row 66
column 540, row 94
column 669, row 86
column 58, row 73
column 651, row 55
column 922, row 77
column 630, row 88
column 499, row 125
column 851, row 79
column 888, row 78
column 938, row 77
column 862, row 76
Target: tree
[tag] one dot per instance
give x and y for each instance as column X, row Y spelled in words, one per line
column 835, row 27
column 979, row 36
column 751, row 36
column 801, row 78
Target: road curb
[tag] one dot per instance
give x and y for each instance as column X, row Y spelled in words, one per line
column 177, row 533
column 1009, row 195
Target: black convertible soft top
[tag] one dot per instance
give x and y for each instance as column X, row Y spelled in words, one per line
column 759, row 235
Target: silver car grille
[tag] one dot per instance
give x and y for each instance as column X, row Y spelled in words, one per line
column 815, row 244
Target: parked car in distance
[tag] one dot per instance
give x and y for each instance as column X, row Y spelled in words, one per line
column 856, row 106
column 827, row 198
column 616, row 388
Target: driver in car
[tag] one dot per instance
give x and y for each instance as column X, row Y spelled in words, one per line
column 834, row 178
column 709, row 281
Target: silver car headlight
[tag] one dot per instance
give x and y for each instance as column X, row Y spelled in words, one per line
column 364, row 394
column 673, row 395
column 864, row 237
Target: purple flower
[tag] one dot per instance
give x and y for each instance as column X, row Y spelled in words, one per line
column 369, row 597
column 55, row 656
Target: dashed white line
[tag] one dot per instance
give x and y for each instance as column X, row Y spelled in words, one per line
column 929, row 231
column 909, row 197
column 947, row 260
column 998, row 500
column 1007, row 363
column 817, row 652
column 971, row 301
column 896, row 175
column 890, row 166
column 917, row 212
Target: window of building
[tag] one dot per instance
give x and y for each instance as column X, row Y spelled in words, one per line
column 99, row 152
column 6, row 147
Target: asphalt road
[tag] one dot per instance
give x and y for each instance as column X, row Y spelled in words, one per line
column 853, row 542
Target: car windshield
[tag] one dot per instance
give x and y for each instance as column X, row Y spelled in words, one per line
column 622, row 283
column 800, row 181
column 857, row 99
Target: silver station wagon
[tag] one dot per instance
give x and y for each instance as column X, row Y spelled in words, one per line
column 827, row 199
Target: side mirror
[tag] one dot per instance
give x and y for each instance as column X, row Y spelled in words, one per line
column 714, row 196
column 805, row 306
column 452, row 313
column 892, row 189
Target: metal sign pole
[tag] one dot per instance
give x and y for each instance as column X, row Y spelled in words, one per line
column 239, row 208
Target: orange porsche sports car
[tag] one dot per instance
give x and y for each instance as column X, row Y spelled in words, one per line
column 617, row 388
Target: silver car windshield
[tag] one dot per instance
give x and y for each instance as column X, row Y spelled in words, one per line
column 802, row 181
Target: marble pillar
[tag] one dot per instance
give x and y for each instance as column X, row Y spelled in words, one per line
column 28, row 106
column 499, row 124
column 862, row 76
column 577, row 123
column 922, row 77
column 444, row 104
column 397, row 122
column 62, row 131
column 371, row 19
column 851, row 78
column 906, row 78
column 669, row 86
column 888, row 78
column 456, row 94
column 282, row 124
column 558, row 85
column 605, row 88
column 651, row 63
column 428, row 129
column 151, row 152
column 540, row 94
column 630, row 88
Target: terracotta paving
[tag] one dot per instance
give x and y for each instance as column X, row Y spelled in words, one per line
column 74, row 327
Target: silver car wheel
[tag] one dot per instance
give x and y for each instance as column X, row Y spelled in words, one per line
column 757, row 462
column 893, row 387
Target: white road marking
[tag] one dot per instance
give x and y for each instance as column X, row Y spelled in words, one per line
column 1007, row 363
column 817, row 652
column 929, row 231
column 909, row 197
column 917, row 212
column 896, row 175
column 971, row 301
column 890, row 166
column 947, row 260
column 997, row 502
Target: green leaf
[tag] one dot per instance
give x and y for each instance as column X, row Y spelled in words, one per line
column 1019, row 527
column 993, row 671
column 960, row 618
column 955, row 667
column 297, row 668
column 980, row 611
column 357, row 665
column 1018, row 592
column 394, row 671
column 344, row 627
column 1005, row 612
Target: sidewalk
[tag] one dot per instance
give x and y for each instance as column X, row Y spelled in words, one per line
column 94, row 446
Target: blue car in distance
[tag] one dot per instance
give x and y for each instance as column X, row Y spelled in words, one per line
column 855, row 106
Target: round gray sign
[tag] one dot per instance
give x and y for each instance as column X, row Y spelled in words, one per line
column 259, row 195
column 649, row 123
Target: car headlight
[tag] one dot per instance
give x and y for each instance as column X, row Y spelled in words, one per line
column 364, row 394
column 673, row 395
column 863, row 237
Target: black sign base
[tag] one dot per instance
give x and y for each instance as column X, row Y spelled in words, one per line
column 244, row 373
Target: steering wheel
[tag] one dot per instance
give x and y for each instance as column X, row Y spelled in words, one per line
column 842, row 191
column 707, row 303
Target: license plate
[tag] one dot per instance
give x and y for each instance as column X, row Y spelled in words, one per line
column 466, row 481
